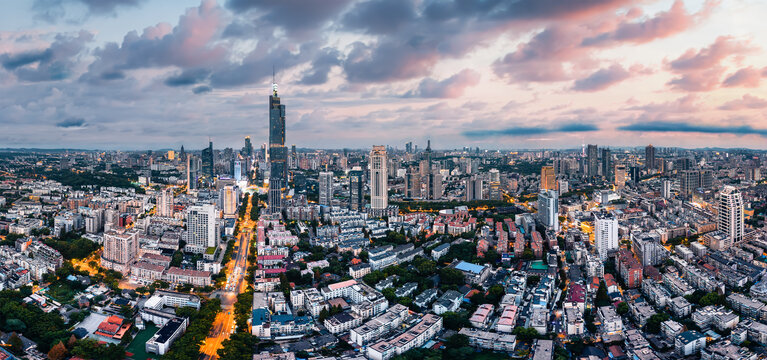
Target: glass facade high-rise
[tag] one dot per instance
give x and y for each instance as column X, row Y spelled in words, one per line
column 379, row 186
column 207, row 162
column 649, row 154
column 278, row 154
column 356, row 188
column 592, row 161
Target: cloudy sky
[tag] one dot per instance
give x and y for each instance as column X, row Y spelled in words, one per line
column 509, row 74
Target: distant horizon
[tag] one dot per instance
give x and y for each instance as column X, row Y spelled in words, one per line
column 499, row 74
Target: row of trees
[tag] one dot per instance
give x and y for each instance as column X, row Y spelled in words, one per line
column 200, row 323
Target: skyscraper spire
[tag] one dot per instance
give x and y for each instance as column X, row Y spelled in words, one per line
column 274, row 83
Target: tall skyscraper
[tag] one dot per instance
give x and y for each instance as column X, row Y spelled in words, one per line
column 689, row 180
column 649, row 154
column 278, row 154
column 326, row 187
column 229, row 196
column 494, row 185
column 412, row 183
column 473, row 188
column 207, row 163
column 120, row 249
column 436, row 185
column 605, row 235
column 379, row 187
column 200, row 228
column 192, row 172
column 548, row 209
column 165, row 202
column 592, row 161
column 548, row 178
column 237, row 169
column 620, row 175
column 730, row 216
column 248, row 149
column 356, row 186
column 666, row 189
column 608, row 170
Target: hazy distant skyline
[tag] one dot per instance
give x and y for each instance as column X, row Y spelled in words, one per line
column 139, row 74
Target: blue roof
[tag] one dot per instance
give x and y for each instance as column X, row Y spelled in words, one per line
column 473, row 268
column 259, row 316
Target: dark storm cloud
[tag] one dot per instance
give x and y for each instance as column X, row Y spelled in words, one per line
column 71, row 123
column 602, row 79
column 53, row 63
column 188, row 77
column 202, row 89
column 55, row 10
column 531, row 130
column 679, row 126
column 379, row 16
column 452, row 87
column 292, row 15
column 518, row 9
column 321, row 66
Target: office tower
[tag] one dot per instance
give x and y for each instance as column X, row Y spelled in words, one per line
column 120, row 249
column 200, row 228
column 548, row 209
column 706, row 178
column 635, row 174
column 326, row 187
column 247, row 150
column 165, row 202
column 237, row 170
column 605, row 235
column 563, row 186
column 229, row 197
column 379, row 187
column 730, row 215
column 649, row 154
column 473, row 188
column 207, row 163
column 192, row 172
column 171, row 155
column 412, row 183
column 436, row 186
column 494, row 185
column 666, row 189
column 278, row 154
column 356, row 188
column 592, row 161
column 548, row 178
column 182, row 154
column 607, row 165
column 620, row 175
column 689, row 180
column 409, row 147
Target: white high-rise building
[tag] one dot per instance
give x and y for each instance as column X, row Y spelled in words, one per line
column 379, row 186
column 548, row 209
column 165, row 202
column 666, row 189
column 326, row 188
column 494, row 192
column 730, row 219
column 201, row 228
column 120, row 249
column 229, row 197
column 605, row 235
column 473, row 188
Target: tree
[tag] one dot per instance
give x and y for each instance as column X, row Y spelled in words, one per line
column 623, row 308
column 528, row 254
column 457, row 341
column 451, row 276
column 602, row 299
column 239, row 346
column 17, row 346
column 525, row 334
column 711, row 298
column 653, row 323
column 455, row 321
column 58, row 352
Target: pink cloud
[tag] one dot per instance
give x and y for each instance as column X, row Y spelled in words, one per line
column 664, row 24
column 452, row 87
column 746, row 77
column 746, row 102
column 702, row 70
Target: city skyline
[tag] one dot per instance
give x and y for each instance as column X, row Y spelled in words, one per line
column 137, row 75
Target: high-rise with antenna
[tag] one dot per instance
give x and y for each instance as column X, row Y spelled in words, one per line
column 278, row 154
